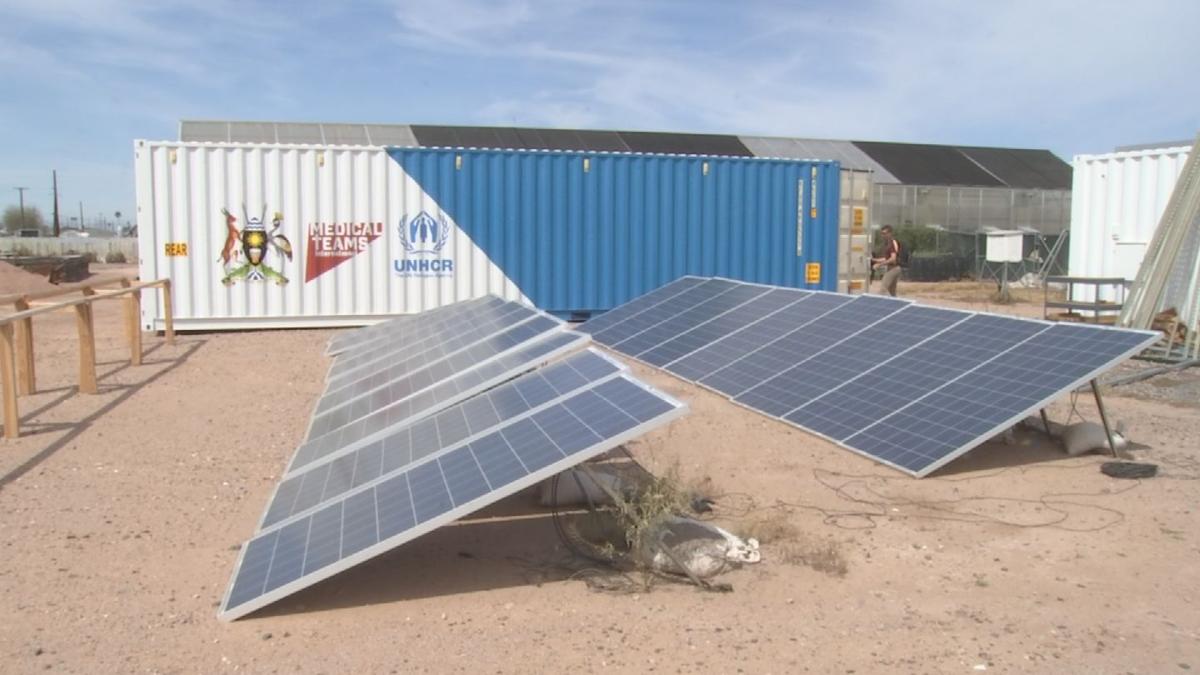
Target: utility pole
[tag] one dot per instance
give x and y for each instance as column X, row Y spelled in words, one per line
column 21, row 192
column 54, row 172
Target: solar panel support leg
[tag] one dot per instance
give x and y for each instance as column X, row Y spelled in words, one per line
column 1046, row 422
column 1112, row 444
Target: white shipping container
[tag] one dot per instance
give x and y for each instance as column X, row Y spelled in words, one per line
column 337, row 209
column 1117, row 200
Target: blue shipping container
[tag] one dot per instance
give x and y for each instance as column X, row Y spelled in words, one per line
column 581, row 232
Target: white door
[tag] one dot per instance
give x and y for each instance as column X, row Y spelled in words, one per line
column 1127, row 258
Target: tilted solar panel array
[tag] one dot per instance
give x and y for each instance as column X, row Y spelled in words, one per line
column 908, row 385
column 424, row 421
column 447, row 392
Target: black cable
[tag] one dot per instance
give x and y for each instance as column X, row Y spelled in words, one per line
column 867, row 518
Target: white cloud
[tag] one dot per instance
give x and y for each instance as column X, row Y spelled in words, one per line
column 1031, row 73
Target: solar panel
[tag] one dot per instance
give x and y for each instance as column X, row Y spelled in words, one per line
column 404, row 356
column 827, row 369
column 859, row 403
column 330, row 476
column 425, row 323
column 798, row 345
column 676, row 304
column 358, row 336
column 907, row 385
column 417, row 335
column 452, row 482
column 720, row 326
column 724, row 301
column 943, row 424
column 353, row 402
column 353, row 366
column 639, row 304
column 446, row 393
column 703, row 363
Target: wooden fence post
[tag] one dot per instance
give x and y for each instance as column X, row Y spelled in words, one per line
column 8, row 384
column 26, row 380
column 87, row 348
column 133, row 328
column 168, row 312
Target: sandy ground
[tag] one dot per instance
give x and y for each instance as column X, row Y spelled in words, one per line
column 121, row 514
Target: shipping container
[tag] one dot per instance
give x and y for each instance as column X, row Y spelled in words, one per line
column 1116, row 203
column 256, row 236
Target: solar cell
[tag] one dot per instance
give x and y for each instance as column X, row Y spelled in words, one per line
column 466, row 383
column 356, row 401
column 407, row 502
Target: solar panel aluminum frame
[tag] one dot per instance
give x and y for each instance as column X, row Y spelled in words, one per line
column 949, row 457
column 315, row 414
column 621, row 371
column 568, row 348
column 679, row 408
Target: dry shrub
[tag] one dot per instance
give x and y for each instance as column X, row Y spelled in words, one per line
column 825, row 557
column 658, row 499
column 771, row 529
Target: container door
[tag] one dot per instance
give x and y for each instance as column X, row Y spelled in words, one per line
column 1127, row 259
column 853, row 233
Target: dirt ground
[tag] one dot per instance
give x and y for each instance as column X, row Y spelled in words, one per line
column 121, row 514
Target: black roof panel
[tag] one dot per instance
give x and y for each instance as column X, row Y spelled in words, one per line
column 602, row 141
column 917, row 164
column 435, row 136
column 684, row 144
column 1035, row 169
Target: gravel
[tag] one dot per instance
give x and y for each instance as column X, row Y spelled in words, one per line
column 1177, row 386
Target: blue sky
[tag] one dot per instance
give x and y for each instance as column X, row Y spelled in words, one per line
column 81, row 79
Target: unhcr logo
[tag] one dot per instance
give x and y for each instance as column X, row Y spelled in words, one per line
column 423, row 239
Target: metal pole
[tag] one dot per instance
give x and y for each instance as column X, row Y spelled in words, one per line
column 81, row 216
column 57, row 228
column 21, row 196
column 1112, row 444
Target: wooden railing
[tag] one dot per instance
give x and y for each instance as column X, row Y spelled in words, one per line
column 17, row 373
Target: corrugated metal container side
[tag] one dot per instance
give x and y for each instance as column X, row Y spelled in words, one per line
column 379, row 231
column 1116, row 203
